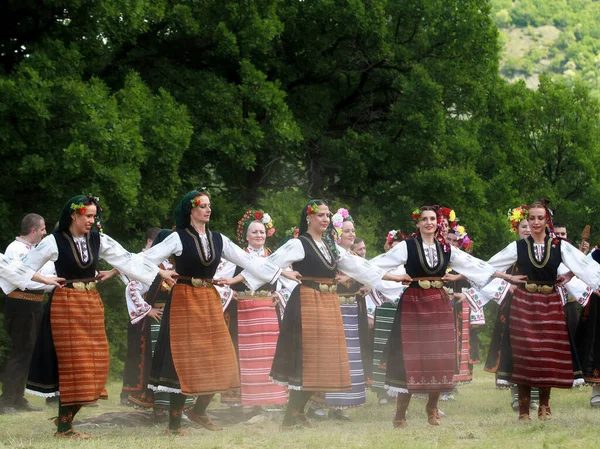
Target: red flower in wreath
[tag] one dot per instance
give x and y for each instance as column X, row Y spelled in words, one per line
column 258, row 215
column 81, row 211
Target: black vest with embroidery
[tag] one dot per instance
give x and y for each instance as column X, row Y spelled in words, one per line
column 546, row 270
column 240, row 286
column 192, row 261
column 416, row 265
column 69, row 264
column 314, row 263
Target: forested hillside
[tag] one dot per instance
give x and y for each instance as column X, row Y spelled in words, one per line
column 557, row 37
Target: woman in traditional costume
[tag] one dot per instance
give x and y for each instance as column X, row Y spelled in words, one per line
column 253, row 320
column 519, row 225
column 312, row 355
column 422, row 345
column 75, row 313
column 537, row 350
column 194, row 354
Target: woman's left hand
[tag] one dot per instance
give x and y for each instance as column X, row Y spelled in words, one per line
column 293, row 275
column 404, row 278
column 449, row 277
column 564, row 278
column 168, row 275
column 105, row 275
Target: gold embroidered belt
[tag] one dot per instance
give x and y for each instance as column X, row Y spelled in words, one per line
column 427, row 283
column 195, row 282
column 259, row 295
column 537, row 287
column 323, row 285
column 348, row 298
column 82, row 285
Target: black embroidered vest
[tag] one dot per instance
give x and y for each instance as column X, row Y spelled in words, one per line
column 314, row 263
column 69, row 264
column 546, row 270
column 416, row 265
column 192, row 261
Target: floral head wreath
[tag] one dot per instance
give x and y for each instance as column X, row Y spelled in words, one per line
column 516, row 215
column 293, row 232
column 249, row 217
column 338, row 220
column 464, row 241
column 448, row 214
column 395, row 236
column 196, row 201
column 312, row 208
column 80, row 208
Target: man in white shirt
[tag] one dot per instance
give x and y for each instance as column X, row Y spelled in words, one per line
column 22, row 315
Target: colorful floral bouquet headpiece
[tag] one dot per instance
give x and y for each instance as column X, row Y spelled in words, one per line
column 448, row 214
column 516, row 215
column 338, row 220
column 196, row 201
column 249, row 217
column 293, row 232
column 312, row 207
column 395, row 236
column 81, row 209
column 464, row 241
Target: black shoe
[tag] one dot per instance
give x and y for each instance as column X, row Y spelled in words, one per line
column 52, row 401
column 23, row 405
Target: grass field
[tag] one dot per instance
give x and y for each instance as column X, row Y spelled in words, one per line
column 480, row 417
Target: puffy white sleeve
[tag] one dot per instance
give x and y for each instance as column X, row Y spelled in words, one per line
column 478, row 272
column 47, row 250
column 585, row 268
column 360, row 269
column 503, row 260
column 396, row 256
column 13, row 274
column 578, row 290
column 262, row 268
column 292, row 251
column 390, row 291
column 137, row 306
column 135, row 267
column 225, row 269
column 169, row 246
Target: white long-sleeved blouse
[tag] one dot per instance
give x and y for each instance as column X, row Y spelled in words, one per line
column 586, row 270
column 261, row 267
column 134, row 266
column 478, row 272
column 293, row 251
column 13, row 274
